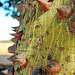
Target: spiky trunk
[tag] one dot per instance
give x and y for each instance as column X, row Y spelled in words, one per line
column 49, row 36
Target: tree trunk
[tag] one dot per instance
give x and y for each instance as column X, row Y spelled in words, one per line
column 49, row 36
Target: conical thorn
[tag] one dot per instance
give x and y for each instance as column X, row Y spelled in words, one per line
column 32, row 3
column 26, row 6
column 16, row 17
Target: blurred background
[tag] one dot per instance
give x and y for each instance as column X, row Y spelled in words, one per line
column 6, row 21
column 6, row 24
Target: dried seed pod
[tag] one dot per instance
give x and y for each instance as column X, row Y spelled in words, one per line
column 64, row 12
column 21, row 59
column 16, row 17
column 14, row 40
column 12, row 49
column 53, row 67
column 32, row 3
column 8, row 71
column 72, row 25
column 45, row 4
column 18, row 35
column 26, row 6
column 40, row 71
